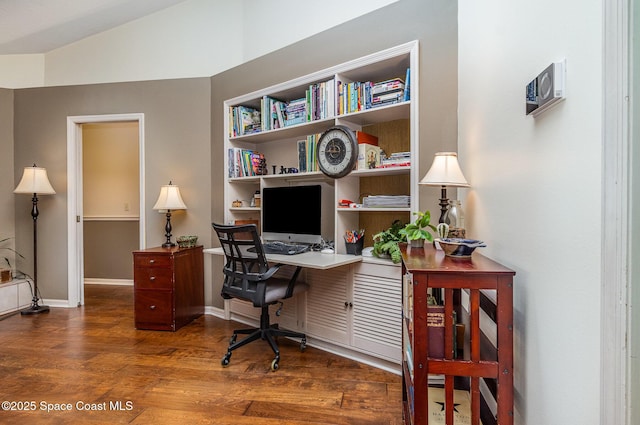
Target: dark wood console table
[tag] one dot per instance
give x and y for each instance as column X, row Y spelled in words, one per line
column 469, row 286
column 168, row 287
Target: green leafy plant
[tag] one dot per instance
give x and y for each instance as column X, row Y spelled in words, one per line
column 386, row 242
column 6, row 259
column 419, row 229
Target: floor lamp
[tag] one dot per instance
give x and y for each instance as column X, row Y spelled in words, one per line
column 169, row 199
column 35, row 182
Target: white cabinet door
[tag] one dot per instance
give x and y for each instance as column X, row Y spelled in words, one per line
column 327, row 309
column 377, row 310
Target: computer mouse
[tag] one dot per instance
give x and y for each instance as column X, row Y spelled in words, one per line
column 327, row 251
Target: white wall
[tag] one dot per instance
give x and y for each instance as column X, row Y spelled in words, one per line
column 18, row 71
column 197, row 38
column 535, row 194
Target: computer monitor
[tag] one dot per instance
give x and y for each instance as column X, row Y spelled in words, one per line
column 292, row 214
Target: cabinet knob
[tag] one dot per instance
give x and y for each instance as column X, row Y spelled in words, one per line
column 152, row 261
column 152, row 307
column 152, row 278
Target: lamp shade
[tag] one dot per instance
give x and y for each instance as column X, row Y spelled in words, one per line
column 35, row 180
column 445, row 171
column 169, row 199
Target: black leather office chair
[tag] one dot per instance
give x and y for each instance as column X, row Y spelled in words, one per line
column 247, row 276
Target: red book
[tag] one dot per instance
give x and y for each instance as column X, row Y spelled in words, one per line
column 435, row 329
column 366, row 138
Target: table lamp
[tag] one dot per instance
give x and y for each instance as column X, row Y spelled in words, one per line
column 169, row 200
column 35, row 182
column 445, row 171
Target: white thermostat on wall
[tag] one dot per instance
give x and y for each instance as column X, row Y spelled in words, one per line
column 546, row 89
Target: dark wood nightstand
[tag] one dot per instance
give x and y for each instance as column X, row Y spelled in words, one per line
column 168, row 287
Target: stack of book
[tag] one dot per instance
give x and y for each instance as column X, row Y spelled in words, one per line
column 295, row 112
column 387, row 92
column 397, row 159
column 386, row 201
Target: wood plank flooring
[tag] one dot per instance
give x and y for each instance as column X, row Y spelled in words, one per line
column 92, row 357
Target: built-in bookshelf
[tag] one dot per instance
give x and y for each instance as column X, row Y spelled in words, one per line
column 271, row 134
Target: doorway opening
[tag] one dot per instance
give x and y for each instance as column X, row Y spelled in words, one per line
column 101, row 200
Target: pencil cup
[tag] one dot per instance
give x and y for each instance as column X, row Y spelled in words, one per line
column 355, row 248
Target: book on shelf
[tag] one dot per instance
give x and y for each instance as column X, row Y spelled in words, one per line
column 386, row 201
column 245, row 120
column 307, row 160
column 437, row 408
column 368, row 156
column 245, row 163
column 320, row 100
column 435, row 331
column 407, row 86
column 396, row 159
column 387, row 86
column 367, row 138
column 295, row 112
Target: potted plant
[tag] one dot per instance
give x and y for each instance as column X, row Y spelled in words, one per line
column 417, row 232
column 385, row 243
column 6, row 273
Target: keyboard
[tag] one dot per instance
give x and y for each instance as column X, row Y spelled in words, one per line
column 284, row 248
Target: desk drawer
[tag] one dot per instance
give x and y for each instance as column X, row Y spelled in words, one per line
column 152, row 278
column 153, row 307
column 391, row 271
column 151, row 260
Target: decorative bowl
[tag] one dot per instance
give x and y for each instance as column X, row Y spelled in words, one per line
column 458, row 247
column 187, row 241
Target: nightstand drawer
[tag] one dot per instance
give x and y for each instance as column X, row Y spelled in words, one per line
column 152, row 278
column 153, row 307
column 151, row 260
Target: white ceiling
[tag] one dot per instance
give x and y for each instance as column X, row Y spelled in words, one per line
column 38, row 26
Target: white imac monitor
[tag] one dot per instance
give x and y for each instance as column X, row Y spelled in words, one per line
column 292, row 214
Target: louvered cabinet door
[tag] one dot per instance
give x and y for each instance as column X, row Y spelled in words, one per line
column 377, row 310
column 328, row 304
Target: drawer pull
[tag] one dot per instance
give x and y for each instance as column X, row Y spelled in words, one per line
column 152, row 278
column 152, row 261
column 152, row 307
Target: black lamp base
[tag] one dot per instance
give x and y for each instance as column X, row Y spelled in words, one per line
column 35, row 309
column 168, row 244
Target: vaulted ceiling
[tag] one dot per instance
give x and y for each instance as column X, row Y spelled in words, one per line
column 38, row 26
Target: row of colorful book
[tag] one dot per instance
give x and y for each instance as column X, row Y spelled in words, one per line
column 307, row 158
column 245, row 162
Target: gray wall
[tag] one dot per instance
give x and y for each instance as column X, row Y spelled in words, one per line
column 6, row 175
column 433, row 23
column 184, row 125
column 177, row 147
column 107, row 249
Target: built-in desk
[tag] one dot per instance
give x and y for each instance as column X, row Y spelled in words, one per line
column 310, row 259
column 352, row 307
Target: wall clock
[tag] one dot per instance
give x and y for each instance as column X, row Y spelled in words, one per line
column 337, row 151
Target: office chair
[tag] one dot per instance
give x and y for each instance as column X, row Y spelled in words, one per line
column 247, row 276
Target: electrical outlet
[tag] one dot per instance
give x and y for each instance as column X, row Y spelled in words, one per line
column 126, row 206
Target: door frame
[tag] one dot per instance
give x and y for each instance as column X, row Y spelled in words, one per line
column 75, row 237
column 614, row 317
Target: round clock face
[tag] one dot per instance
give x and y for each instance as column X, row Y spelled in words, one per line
column 337, row 151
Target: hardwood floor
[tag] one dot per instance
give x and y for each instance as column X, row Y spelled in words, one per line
column 93, row 357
